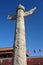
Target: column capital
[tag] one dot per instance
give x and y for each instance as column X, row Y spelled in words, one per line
column 20, row 7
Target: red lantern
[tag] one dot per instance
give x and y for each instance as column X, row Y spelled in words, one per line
column 30, row 60
column 9, row 60
column 28, row 51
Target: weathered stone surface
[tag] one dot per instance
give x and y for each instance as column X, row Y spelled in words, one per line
column 19, row 54
column 20, row 42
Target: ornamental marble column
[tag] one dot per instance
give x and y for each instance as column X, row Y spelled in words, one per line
column 19, row 54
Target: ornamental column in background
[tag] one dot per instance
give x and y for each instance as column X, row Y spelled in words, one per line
column 19, row 54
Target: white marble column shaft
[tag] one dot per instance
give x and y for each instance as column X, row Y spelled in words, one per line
column 20, row 42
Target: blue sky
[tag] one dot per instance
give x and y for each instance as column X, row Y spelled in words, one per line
column 33, row 24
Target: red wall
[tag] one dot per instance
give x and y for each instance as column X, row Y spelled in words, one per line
column 30, row 61
column 34, row 61
column 6, row 62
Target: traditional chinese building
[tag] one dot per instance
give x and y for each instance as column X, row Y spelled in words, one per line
column 6, row 58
